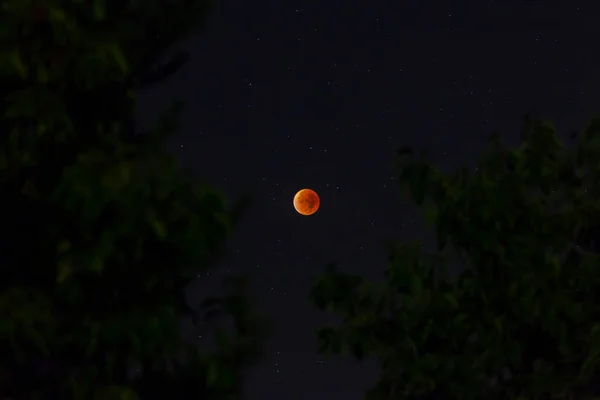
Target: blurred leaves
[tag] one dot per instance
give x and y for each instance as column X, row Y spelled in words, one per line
column 518, row 320
column 102, row 229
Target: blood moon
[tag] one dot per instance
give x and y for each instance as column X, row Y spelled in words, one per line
column 307, row 202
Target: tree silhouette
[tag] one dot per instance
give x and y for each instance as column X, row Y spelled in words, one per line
column 101, row 232
column 520, row 321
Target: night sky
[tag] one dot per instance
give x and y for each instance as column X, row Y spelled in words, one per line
column 284, row 95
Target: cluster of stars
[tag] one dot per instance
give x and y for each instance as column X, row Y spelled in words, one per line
column 377, row 89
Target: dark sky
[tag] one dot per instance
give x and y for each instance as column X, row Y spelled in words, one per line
column 283, row 95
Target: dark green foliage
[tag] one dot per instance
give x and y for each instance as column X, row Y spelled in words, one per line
column 101, row 232
column 522, row 320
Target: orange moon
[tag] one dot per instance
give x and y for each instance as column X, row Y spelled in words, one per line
column 307, row 202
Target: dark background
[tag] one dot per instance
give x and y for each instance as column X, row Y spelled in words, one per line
column 283, row 95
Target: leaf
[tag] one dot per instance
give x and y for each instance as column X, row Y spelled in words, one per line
column 97, row 264
column 119, row 57
column 498, row 324
column 63, row 247
column 451, row 299
column 589, row 362
column 28, row 188
column 416, row 285
column 64, row 271
column 159, row 228
column 430, row 212
column 92, row 345
column 328, row 341
column 115, row 392
column 3, row 160
column 135, row 343
column 223, row 341
column 213, row 374
column 555, row 264
column 42, row 74
column 37, row 338
column 57, row 15
column 99, row 9
column 17, row 62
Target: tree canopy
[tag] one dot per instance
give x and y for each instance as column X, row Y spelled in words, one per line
column 520, row 320
column 101, row 231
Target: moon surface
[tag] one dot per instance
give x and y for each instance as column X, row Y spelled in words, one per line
column 307, row 202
